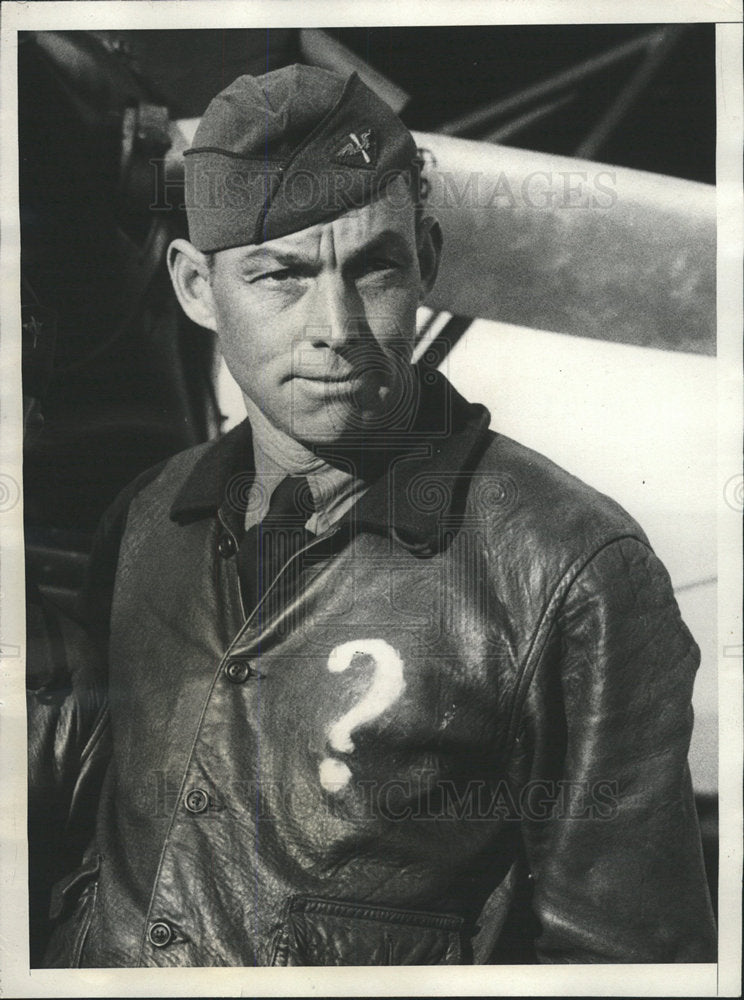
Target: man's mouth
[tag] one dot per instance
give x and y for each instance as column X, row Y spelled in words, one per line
column 345, row 378
column 330, row 387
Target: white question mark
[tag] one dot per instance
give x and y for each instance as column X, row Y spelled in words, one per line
column 387, row 686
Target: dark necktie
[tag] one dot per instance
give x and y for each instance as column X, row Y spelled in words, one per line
column 268, row 546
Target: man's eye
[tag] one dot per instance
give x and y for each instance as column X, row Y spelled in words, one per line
column 278, row 277
column 380, row 265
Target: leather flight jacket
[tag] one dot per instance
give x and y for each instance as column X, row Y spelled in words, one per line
column 461, row 738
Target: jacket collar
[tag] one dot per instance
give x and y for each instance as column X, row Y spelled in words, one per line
column 424, row 487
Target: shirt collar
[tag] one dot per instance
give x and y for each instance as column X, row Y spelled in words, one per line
column 334, row 488
column 424, row 488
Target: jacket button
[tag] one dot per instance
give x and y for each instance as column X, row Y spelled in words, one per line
column 238, row 671
column 160, row 934
column 226, row 546
column 196, row 801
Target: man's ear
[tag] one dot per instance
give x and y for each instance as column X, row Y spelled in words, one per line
column 429, row 250
column 189, row 273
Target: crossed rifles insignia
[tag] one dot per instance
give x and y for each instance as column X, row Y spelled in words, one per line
column 360, row 151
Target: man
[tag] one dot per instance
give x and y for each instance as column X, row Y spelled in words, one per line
column 384, row 687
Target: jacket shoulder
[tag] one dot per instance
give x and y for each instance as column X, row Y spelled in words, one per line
column 166, row 479
column 549, row 508
column 162, row 479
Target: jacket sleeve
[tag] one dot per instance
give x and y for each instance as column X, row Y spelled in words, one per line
column 616, row 865
column 67, row 730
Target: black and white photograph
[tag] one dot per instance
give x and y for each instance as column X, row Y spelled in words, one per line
column 370, row 499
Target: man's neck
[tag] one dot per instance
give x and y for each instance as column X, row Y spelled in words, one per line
column 361, row 461
column 334, row 486
column 281, row 449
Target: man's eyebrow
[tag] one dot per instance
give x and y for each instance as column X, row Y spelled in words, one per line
column 263, row 255
column 387, row 239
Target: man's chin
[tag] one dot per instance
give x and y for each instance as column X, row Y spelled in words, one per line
column 365, row 411
column 354, row 427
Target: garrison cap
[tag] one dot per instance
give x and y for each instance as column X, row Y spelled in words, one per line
column 278, row 153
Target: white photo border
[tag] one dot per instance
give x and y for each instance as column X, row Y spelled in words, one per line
column 723, row 979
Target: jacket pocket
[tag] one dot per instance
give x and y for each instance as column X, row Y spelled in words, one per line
column 73, row 903
column 331, row 932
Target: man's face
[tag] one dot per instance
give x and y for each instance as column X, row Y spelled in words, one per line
column 318, row 327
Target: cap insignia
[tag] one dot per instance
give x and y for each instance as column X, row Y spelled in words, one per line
column 359, row 149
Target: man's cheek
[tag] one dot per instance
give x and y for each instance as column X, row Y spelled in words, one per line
column 395, row 303
column 393, row 325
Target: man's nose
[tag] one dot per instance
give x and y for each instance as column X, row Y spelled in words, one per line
column 337, row 315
